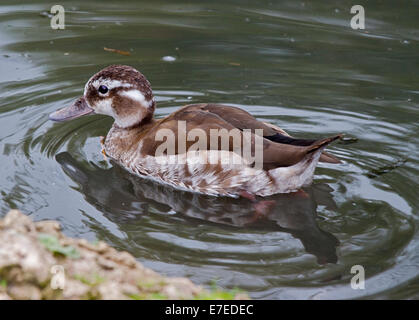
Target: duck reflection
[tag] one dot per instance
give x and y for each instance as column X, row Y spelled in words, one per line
column 121, row 196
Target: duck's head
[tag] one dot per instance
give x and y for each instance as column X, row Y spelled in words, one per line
column 118, row 91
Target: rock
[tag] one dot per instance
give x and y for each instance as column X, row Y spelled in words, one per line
column 37, row 262
column 24, row 292
column 4, row 296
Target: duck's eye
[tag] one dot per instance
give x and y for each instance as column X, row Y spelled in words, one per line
column 103, row 89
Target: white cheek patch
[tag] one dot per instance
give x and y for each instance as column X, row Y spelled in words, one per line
column 137, row 96
column 104, row 106
column 129, row 121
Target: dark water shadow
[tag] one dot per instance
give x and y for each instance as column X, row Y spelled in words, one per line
column 124, row 198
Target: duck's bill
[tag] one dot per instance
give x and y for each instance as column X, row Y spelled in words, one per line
column 77, row 109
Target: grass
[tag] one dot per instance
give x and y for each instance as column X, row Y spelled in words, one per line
column 91, row 281
column 148, row 296
column 150, row 291
column 218, row 294
column 52, row 244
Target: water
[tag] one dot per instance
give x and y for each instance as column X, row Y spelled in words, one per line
column 295, row 64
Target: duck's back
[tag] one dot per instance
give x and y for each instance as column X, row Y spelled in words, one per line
column 217, row 169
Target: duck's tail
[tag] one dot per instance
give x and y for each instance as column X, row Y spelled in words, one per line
column 286, row 139
column 300, row 174
column 314, row 153
column 322, row 143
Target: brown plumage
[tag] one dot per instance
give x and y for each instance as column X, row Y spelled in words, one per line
column 217, row 116
column 135, row 140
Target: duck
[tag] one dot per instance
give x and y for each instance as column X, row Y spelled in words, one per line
column 183, row 149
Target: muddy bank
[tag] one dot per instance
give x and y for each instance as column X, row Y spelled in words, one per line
column 38, row 262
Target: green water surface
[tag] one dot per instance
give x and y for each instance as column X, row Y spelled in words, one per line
column 296, row 64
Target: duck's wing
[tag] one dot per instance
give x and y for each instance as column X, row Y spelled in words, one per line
column 201, row 118
column 243, row 120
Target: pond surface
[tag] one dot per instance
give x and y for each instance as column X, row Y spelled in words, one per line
column 295, row 64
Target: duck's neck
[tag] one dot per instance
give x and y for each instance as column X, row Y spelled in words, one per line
column 121, row 142
column 144, row 124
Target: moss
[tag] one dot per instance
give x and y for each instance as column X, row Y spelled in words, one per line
column 148, row 296
column 52, row 244
column 91, row 280
column 150, row 290
column 216, row 295
column 3, row 283
column 150, row 285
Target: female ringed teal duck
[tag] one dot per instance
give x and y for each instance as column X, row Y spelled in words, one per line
column 125, row 94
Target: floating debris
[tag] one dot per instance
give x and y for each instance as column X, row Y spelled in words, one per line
column 374, row 173
column 347, row 140
column 168, row 58
column 46, row 14
column 234, row 64
column 124, row 53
